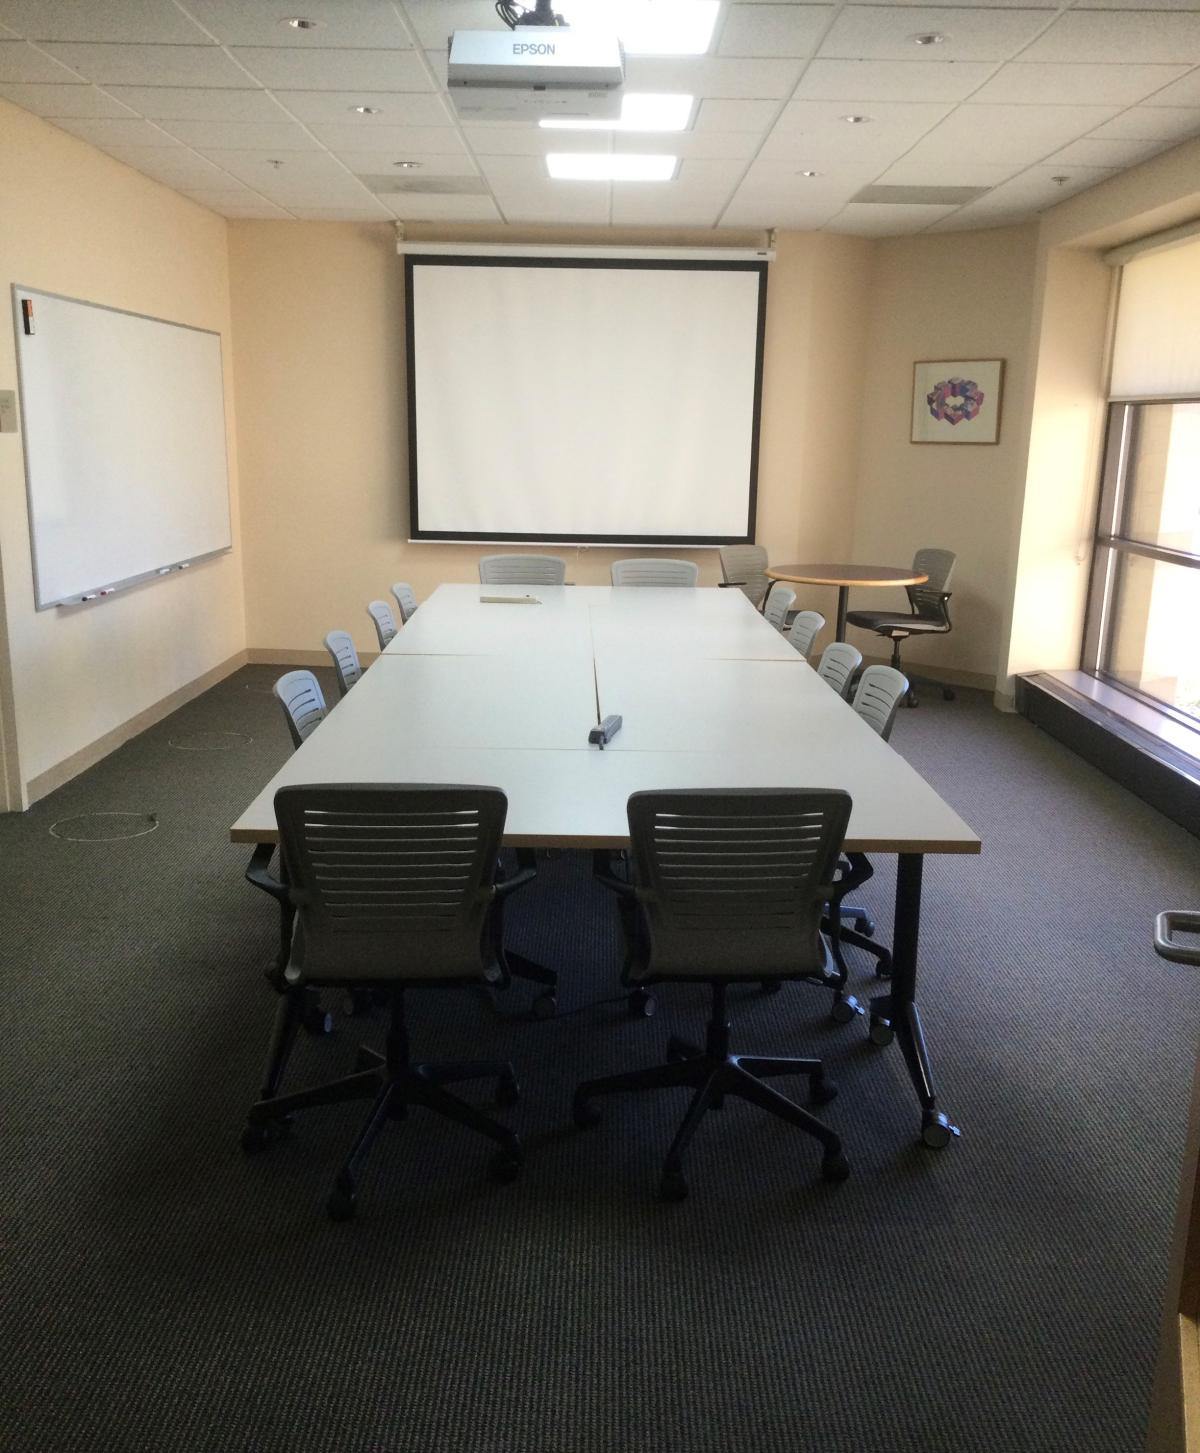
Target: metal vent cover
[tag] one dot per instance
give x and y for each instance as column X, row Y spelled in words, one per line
column 404, row 182
column 920, row 196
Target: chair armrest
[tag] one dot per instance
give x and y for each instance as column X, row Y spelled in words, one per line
column 603, row 873
column 256, row 873
column 1166, row 925
column 504, row 886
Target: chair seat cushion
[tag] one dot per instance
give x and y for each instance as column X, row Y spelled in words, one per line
column 884, row 625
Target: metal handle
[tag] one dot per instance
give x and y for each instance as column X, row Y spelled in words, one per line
column 1166, row 926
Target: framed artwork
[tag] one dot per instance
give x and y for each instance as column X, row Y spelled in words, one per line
column 957, row 401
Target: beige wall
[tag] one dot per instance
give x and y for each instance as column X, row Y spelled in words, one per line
column 77, row 222
column 320, row 375
column 966, row 295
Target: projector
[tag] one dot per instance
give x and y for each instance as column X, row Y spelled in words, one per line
column 534, row 72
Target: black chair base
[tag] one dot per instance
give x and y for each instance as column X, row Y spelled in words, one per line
column 392, row 1082
column 713, row 1073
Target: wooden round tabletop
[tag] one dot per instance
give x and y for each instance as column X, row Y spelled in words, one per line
column 847, row 574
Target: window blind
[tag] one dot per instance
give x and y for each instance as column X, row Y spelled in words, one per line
column 1156, row 351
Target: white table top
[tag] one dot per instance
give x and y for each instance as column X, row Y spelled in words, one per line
column 514, row 712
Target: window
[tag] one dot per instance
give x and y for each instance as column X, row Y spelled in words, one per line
column 1143, row 621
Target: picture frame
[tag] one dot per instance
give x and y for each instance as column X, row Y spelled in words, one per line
column 957, row 401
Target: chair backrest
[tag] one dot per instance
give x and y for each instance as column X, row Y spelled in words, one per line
column 345, row 659
column 299, row 693
column 389, row 882
column 779, row 602
column 522, row 570
column 805, row 629
column 746, row 567
column 406, row 599
column 879, row 693
column 732, row 882
column 385, row 622
column 938, row 565
column 839, row 661
column 654, row 572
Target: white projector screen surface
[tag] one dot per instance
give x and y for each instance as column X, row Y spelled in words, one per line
column 125, row 465
column 564, row 401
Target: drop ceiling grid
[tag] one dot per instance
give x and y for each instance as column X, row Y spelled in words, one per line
column 242, row 90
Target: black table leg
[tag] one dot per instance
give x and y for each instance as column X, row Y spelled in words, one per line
column 843, row 599
column 895, row 1015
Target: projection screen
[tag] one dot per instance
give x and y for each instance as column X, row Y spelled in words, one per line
column 572, row 400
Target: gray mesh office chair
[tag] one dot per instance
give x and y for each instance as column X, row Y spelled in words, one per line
column 745, row 566
column 839, row 661
column 406, row 599
column 779, row 601
column 929, row 610
column 346, row 664
column 383, row 620
column 654, row 572
column 522, row 570
column 804, row 630
column 299, row 693
column 392, row 887
column 728, row 886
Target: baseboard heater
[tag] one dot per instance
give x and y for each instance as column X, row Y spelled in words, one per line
column 1160, row 774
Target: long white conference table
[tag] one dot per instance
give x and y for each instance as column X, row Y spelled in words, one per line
column 505, row 692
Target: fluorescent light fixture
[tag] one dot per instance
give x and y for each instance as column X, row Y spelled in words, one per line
column 649, row 27
column 566, row 166
column 639, row 112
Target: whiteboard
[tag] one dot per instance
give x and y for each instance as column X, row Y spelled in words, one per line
column 125, row 461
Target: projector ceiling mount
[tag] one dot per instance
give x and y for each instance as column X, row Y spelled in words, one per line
column 514, row 15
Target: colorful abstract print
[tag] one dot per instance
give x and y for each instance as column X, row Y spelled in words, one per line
column 955, row 400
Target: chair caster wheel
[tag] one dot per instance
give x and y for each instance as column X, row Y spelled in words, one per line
column 508, row 1092
column 642, row 1005
column 359, row 1002
column 912, row 699
column 545, row 1006
column 844, row 1011
column 341, row 1204
column 883, row 969
column 835, row 1167
column 821, row 1090
column 936, row 1130
column 585, row 1114
column 865, row 925
column 504, row 1166
column 255, row 1138
column 881, row 1032
column 317, row 1020
column 948, row 694
column 771, row 986
column 673, row 1187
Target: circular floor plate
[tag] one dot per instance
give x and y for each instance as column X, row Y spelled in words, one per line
column 104, row 827
column 210, row 741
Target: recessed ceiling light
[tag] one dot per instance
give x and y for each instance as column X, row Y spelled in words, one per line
column 300, row 22
column 598, row 167
column 639, row 112
column 366, row 110
column 930, row 37
column 408, row 166
column 808, row 174
column 856, row 120
column 665, row 27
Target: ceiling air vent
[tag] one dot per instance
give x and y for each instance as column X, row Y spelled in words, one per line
column 921, row 196
column 429, row 186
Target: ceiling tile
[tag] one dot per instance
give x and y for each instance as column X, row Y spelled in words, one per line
column 300, row 168
column 705, row 175
column 1090, row 152
column 1146, row 36
column 259, row 210
column 882, row 219
column 433, row 20
column 885, row 32
column 150, row 65
column 443, row 209
column 229, row 194
column 1082, row 84
column 532, row 140
column 127, row 131
column 136, row 21
column 335, row 70
column 812, row 133
column 1150, row 123
column 571, row 202
column 370, row 211
column 631, row 205
column 891, row 80
column 389, row 140
column 340, row 23
column 1008, row 133
column 1179, row 93
column 55, row 101
column 1142, row 5
column 714, row 76
column 431, row 164
column 961, row 171
column 394, row 108
column 175, row 166
column 242, row 135
column 718, row 115
column 717, row 145
column 755, row 211
column 19, row 61
column 1039, row 187
column 190, row 103
column 773, row 30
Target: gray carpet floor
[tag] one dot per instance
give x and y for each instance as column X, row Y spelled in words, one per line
column 159, row 1290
